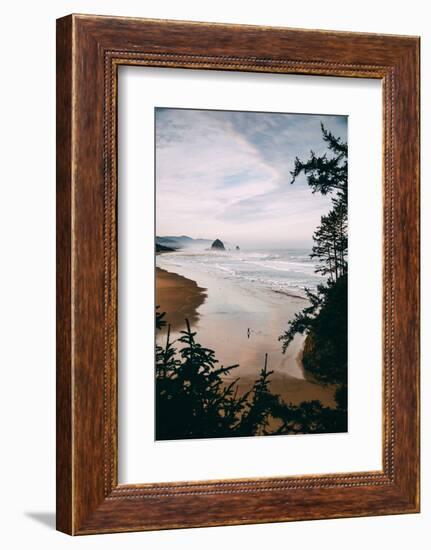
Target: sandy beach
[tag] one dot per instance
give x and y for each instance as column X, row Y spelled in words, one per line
column 241, row 324
column 178, row 297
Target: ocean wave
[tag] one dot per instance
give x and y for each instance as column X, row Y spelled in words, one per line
column 286, row 270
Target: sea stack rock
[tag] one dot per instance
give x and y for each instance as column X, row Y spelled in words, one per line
column 217, row 245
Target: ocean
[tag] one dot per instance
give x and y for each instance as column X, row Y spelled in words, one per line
column 279, row 270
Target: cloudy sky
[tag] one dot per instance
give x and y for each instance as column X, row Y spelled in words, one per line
column 226, row 174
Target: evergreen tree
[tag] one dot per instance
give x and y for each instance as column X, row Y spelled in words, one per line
column 330, row 248
column 326, row 175
column 324, row 321
column 259, row 409
column 194, row 398
column 329, row 176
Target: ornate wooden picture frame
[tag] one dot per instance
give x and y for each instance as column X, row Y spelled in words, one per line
column 89, row 51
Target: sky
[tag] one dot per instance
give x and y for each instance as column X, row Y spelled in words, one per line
column 226, row 175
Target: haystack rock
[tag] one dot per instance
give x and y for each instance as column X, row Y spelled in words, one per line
column 217, row 245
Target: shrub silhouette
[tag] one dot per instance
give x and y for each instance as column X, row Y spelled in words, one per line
column 195, row 400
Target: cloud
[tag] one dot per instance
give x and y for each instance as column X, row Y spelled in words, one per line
column 228, row 173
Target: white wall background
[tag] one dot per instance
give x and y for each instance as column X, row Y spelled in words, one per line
column 27, row 297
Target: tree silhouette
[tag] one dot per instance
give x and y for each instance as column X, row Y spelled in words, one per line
column 324, row 320
column 326, row 175
column 194, row 399
column 330, row 246
column 258, row 410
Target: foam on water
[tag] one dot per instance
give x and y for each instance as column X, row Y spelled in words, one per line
column 289, row 270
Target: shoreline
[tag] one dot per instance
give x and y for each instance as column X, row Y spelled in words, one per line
column 290, row 294
column 240, row 325
column 178, row 297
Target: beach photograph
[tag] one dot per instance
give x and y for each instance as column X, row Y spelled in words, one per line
column 251, row 256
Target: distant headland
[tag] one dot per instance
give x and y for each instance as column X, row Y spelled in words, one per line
column 173, row 243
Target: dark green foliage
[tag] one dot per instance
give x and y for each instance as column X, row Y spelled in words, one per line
column 324, row 321
column 310, row 417
column 160, row 321
column 324, row 174
column 194, row 400
column 330, row 238
column 193, row 397
column 329, row 176
column 255, row 418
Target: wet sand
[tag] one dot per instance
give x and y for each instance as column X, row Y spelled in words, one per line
column 294, row 390
column 240, row 323
column 178, row 297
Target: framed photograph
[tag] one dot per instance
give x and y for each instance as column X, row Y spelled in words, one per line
column 237, row 274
